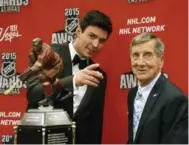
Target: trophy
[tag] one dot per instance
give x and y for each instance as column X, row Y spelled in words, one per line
column 44, row 125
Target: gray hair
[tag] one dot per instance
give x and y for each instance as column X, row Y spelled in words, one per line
column 145, row 37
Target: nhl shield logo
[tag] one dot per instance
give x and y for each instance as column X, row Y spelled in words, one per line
column 71, row 25
column 8, row 69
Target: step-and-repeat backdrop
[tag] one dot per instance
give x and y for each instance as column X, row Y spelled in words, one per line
column 55, row 22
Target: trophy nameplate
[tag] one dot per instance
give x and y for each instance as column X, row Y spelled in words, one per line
column 45, row 125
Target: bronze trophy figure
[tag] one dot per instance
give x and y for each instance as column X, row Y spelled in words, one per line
column 44, row 125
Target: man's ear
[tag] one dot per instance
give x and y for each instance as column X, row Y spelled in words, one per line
column 162, row 61
column 78, row 31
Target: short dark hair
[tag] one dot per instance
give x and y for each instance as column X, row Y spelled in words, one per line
column 96, row 18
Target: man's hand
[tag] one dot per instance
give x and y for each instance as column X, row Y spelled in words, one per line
column 88, row 76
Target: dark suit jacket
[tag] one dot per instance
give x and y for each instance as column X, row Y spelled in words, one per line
column 159, row 115
column 89, row 115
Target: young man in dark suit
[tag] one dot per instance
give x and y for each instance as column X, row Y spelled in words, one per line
column 82, row 76
column 155, row 103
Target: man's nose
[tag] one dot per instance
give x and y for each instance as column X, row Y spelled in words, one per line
column 141, row 60
column 95, row 43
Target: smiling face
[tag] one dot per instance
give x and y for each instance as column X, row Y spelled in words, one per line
column 89, row 42
column 145, row 62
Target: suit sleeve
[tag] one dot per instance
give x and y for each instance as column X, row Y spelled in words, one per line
column 178, row 133
column 96, row 120
column 170, row 113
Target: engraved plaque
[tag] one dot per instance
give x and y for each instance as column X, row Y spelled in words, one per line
column 45, row 126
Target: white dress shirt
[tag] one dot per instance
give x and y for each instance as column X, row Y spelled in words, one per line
column 79, row 92
column 140, row 101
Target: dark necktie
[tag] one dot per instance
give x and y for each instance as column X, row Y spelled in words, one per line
column 78, row 60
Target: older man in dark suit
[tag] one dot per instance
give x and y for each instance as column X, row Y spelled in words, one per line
column 154, row 104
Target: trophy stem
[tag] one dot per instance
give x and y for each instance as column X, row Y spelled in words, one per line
column 15, row 134
column 73, row 132
column 43, row 135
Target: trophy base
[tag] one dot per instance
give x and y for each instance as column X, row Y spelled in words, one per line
column 45, row 125
column 44, row 135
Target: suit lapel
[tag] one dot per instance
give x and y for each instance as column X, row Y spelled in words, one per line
column 66, row 62
column 131, row 110
column 149, row 103
column 85, row 101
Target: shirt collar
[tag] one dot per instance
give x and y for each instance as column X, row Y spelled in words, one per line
column 73, row 52
column 147, row 89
